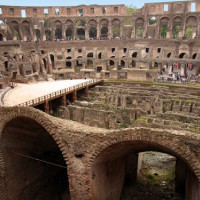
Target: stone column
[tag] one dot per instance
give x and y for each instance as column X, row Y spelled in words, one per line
column 74, row 96
column 98, row 31
column 46, row 107
column 87, row 32
column 145, row 29
column 133, row 35
column 86, row 91
column 64, row 100
column 180, row 176
column 110, row 33
column 63, row 32
column 121, row 29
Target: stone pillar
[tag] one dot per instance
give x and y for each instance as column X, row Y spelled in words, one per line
column 110, row 33
column 64, row 100
column 145, row 29
column 192, row 187
column 180, row 176
column 133, row 35
column 98, row 31
column 86, row 91
column 63, row 32
column 75, row 32
column 87, row 32
column 74, row 96
column 46, row 107
column 121, row 29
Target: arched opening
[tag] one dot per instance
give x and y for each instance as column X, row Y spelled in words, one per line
column 93, row 33
column 182, row 55
column 194, row 56
column 111, row 62
column 152, row 21
column 48, row 35
column 99, row 69
column 169, row 55
column 26, row 30
column 37, row 33
column 6, row 65
column 177, row 24
column 69, row 34
column 122, row 63
column 134, row 55
column 58, row 33
column 90, row 55
column 81, row 34
column 104, row 28
column 45, row 63
column 68, row 64
column 189, row 32
column 52, row 60
column 116, row 28
column 89, row 64
column 100, row 55
column 163, row 31
column 133, row 63
column 79, row 62
column 119, row 172
column 1, row 37
column 139, row 32
column 15, row 28
column 164, row 27
column 104, row 32
column 33, row 161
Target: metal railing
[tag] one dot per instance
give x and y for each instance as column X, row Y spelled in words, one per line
column 58, row 93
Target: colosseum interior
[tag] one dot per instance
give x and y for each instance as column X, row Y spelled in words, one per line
column 125, row 125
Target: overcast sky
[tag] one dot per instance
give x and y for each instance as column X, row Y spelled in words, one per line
column 138, row 3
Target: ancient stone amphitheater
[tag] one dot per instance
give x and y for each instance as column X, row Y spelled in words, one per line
column 87, row 143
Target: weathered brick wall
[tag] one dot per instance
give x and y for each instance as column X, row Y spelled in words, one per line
column 86, row 149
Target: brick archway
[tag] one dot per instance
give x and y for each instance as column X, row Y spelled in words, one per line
column 44, row 122
column 109, row 156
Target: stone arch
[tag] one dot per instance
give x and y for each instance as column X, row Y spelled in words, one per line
column 92, row 25
column 134, row 55
column 104, row 23
column 115, row 149
column 69, row 30
column 191, row 27
column 39, row 118
column 52, row 58
column 177, row 23
column 182, row 55
column 15, row 29
column 58, row 29
column 139, row 27
column 164, row 23
column 116, row 28
column 26, row 30
column 81, row 33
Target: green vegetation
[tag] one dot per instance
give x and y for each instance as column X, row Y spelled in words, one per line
column 131, row 9
column 163, row 31
column 114, row 81
column 175, row 31
column 139, row 32
column 189, row 32
column 143, row 119
column 116, row 32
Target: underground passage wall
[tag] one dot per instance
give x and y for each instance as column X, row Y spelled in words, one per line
column 116, row 163
column 35, row 167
